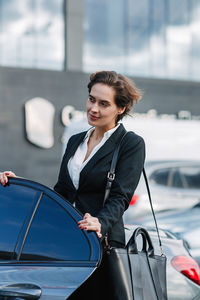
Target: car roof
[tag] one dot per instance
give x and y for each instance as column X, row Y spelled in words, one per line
column 172, row 163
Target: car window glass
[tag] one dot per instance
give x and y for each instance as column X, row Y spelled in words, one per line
column 177, row 181
column 160, row 177
column 191, row 176
column 14, row 205
column 54, row 235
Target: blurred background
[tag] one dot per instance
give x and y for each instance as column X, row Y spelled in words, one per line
column 47, row 50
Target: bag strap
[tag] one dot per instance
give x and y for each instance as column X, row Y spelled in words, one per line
column 152, row 210
column 111, row 177
column 111, row 173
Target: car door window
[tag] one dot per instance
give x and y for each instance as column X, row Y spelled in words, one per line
column 160, row 177
column 191, row 177
column 14, row 206
column 177, row 181
column 54, row 235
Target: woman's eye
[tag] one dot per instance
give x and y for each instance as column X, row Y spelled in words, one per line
column 104, row 103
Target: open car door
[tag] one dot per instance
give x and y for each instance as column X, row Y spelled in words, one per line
column 43, row 253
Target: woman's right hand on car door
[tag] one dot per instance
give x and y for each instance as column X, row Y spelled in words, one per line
column 4, row 176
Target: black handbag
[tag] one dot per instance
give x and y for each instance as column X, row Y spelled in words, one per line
column 133, row 274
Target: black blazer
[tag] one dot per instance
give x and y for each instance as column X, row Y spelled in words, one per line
column 90, row 194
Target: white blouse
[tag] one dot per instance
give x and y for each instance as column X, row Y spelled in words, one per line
column 77, row 163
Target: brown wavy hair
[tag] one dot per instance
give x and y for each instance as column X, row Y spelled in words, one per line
column 126, row 92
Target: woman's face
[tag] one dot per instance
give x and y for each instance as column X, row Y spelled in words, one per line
column 101, row 108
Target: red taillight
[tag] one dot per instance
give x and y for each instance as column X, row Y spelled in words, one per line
column 188, row 267
column 134, row 199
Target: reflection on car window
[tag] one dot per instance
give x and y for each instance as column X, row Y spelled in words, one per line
column 160, row 177
column 13, row 210
column 191, row 177
column 54, row 235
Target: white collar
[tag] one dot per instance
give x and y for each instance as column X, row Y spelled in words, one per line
column 106, row 135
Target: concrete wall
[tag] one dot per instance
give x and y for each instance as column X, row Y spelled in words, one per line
column 16, row 87
column 169, row 96
column 67, row 88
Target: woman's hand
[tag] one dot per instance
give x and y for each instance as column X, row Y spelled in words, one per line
column 91, row 224
column 4, row 176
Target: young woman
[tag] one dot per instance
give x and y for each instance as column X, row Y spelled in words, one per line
column 87, row 159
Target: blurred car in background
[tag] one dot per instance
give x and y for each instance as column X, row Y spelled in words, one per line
column 185, row 223
column 44, row 255
column 173, row 185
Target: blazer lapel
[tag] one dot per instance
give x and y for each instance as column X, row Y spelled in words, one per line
column 107, row 148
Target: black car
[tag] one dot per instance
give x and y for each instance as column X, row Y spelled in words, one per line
column 42, row 250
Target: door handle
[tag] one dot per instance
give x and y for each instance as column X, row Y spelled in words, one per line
column 23, row 290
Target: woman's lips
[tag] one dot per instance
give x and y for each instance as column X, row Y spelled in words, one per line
column 93, row 118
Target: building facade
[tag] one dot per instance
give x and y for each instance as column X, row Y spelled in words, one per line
column 147, row 38
column 47, row 49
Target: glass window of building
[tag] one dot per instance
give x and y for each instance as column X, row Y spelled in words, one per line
column 147, row 38
column 32, row 34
